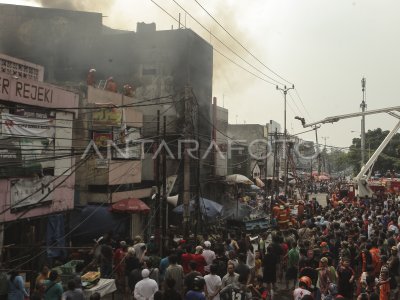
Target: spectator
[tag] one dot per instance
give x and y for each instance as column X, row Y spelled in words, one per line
column 145, row 288
column 213, row 284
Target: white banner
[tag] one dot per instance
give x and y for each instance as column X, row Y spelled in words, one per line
column 22, row 126
column 31, row 191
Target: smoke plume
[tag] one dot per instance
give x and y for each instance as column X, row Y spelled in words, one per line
column 93, row 6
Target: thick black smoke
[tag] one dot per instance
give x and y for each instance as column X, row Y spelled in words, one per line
column 85, row 5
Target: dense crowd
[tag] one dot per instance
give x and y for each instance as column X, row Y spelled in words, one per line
column 345, row 250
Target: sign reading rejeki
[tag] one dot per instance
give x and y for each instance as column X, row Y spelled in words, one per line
column 36, row 93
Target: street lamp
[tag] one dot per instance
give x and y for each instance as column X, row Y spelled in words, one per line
column 285, row 90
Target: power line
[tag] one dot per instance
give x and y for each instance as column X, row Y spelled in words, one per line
column 72, row 230
column 243, row 68
column 241, row 45
column 225, row 45
column 301, row 101
column 219, row 40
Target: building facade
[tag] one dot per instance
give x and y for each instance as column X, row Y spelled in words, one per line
column 37, row 160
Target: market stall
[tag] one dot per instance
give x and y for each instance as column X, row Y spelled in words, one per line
column 103, row 287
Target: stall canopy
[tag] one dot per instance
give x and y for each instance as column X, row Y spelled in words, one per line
column 130, row 205
column 238, row 178
column 259, row 182
column 208, row 207
column 91, row 221
column 323, row 177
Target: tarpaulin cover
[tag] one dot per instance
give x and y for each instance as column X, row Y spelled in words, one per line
column 94, row 221
column 130, row 205
column 55, row 236
column 207, row 207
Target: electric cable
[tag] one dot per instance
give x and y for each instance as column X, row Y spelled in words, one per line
column 226, row 46
column 241, row 45
column 274, row 84
column 69, row 233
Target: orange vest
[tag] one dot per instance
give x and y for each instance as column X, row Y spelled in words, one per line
column 283, row 217
column 276, row 210
column 90, row 79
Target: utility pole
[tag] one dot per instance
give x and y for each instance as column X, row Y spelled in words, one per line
column 214, row 134
column 285, row 90
column 158, row 218
column 186, row 163
column 266, row 167
column 363, row 106
column 274, row 184
column 325, row 154
column 164, row 205
column 319, row 154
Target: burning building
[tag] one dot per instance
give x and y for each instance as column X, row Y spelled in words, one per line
column 158, row 65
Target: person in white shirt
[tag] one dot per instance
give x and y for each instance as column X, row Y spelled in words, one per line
column 213, row 284
column 208, row 255
column 302, row 290
column 145, row 288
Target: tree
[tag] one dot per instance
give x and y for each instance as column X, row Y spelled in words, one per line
column 338, row 162
column 388, row 160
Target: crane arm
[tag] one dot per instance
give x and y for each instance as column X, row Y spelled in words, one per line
column 334, row 119
column 362, row 177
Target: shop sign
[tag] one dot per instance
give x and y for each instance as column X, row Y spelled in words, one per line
column 30, row 127
column 28, row 192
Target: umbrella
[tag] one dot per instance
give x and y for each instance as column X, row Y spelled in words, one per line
column 259, row 182
column 323, row 177
column 238, row 178
column 130, row 205
column 254, row 187
column 208, row 207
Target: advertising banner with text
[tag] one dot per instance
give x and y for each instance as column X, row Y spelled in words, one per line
column 31, row 192
column 13, row 125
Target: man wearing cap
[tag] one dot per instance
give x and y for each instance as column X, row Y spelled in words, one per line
column 145, row 288
column 208, row 255
column 111, row 85
column 90, row 80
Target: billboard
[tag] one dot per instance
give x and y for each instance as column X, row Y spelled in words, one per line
column 107, row 116
column 28, row 192
column 14, row 125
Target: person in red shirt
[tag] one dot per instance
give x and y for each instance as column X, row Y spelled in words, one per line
column 384, row 285
column 186, row 258
column 119, row 263
column 199, row 259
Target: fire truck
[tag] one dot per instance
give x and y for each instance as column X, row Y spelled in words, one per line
column 362, row 180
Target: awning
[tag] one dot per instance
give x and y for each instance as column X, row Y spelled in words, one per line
column 208, row 207
column 130, row 205
column 259, row 182
column 323, row 178
column 238, row 178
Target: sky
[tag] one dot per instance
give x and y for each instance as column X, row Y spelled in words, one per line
column 323, row 47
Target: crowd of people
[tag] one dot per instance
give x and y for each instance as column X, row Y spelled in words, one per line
column 345, row 250
column 339, row 250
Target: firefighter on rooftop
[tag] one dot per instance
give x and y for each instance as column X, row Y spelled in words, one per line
column 111, row 85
